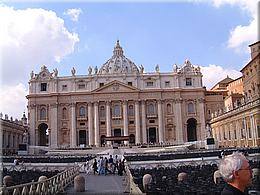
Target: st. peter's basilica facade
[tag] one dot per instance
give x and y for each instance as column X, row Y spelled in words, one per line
column 117, row 103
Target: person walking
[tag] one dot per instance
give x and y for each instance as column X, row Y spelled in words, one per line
column 95, row 167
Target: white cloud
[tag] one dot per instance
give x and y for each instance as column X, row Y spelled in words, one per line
column 13, row 101
column 28, row 39
column 73, row 14
column 212, row 74
column 241, row 36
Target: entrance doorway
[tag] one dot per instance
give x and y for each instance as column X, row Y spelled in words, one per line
column 131, row 139
column 117, row 133
column 43, row 135
column 152, row 135
column 82, row 137
column 192, row 130
column 102, row 140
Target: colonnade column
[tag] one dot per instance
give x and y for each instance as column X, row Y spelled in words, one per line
column 108, row 121
column 137, row 123
column 32, row 128
column 54, row 125
column 96, row 124
column 239, row 136
column 73, row 131
column 253, row 133
column 202, row 119
column 125, row 120
column 144, row 134
column 160, row 121
column 90, row 125
column 179, row 126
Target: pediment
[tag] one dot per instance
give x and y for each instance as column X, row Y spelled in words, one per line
column 115, row 86
column 44, row 74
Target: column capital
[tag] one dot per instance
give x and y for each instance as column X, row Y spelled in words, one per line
column 143, row 101
column 89, row 103
column 201, row 100
column 108, row 102
column 54, row 105
column 124, row 102
column 96, row 103
column 73, row 104
column 159, row 101
column 178, row 100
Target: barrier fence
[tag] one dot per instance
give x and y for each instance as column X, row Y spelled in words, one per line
column 50, row 186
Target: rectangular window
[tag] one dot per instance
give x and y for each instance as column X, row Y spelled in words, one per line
column 131, row 122
column 101, row 84
column 64, row 87
column 188, row 82
column 167, row 83
column 149, row 84
column 81, row 86
column 43, row 86
column 235, row 134
column 102, row 122
column 151, row 121
column 130, row 83
column 82, row 124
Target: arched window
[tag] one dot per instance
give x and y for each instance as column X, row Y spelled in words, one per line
column 82, row 111
column 117, row 110
column 131, row 110
column 151, row 109
column 42, row 114
column 169, row 108
column 190, row 108
column 64, row 113
column 102, row 111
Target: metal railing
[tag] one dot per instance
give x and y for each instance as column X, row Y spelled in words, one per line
column 49, row 186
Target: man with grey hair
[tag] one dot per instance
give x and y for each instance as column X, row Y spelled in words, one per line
column 237, row 172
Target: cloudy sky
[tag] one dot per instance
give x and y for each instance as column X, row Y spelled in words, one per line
column 213, row 34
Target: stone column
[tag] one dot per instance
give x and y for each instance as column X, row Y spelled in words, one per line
column 160, row 121
column 255, row 127
column 90, row 124
column 32, row 127
column 2, row 143
column 125, row 120
column 179, row 123
column 108, row 121
column 202, row 133
column 239, row 136
column 96, row 124
column 253, row 132
column 54, row 126
column 137, row 123
column 144, row 133
column 73, row 130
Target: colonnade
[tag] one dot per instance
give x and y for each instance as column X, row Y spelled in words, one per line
column 94, row 128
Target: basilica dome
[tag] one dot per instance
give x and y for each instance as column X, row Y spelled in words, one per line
column 118, row 63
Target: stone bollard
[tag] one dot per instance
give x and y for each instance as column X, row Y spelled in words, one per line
column 182, row 177
column 42, row 178
column 79, row 183
column 8, row 180
column 217, row 177
column 147, row 179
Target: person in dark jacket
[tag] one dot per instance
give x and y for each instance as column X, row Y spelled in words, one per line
column 95, row 168
column 236, row 171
